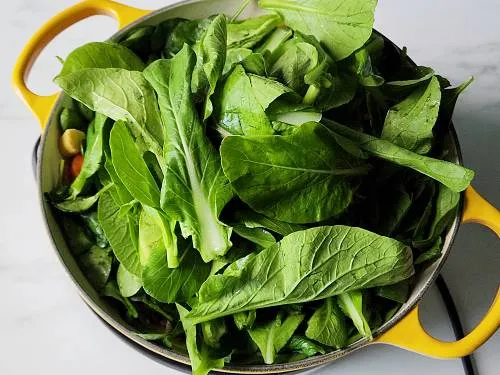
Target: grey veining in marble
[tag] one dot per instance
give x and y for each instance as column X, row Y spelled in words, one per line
column 44, row 326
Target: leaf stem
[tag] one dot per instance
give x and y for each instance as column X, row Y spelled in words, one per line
column 240, row 10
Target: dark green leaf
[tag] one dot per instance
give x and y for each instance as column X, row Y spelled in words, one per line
column 272, row 174
column 454, row 176
column 96, row 265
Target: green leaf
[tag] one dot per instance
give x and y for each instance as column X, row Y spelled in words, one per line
column 96, row 265
column 93, row 155
column 268, row 90
column 272, row 174
column 237, row 109
column 273, row 336
column 93, row 227
column 259, row 236
column 201, row 360
column 80, row 204
column 351, row 304
column 396, row 292
column 298, row 58
column 342, row 26
column 454, row 176
column 212, row 50
column 449, row 100
column 120, row 231
column 342, row 91
column 160, row 281
column 364, row 69
column 432, row 253
column 101, row 55
column 185, row 32
column 71, row 119
column 194, row 189
column 253, row 219
column 299, row 344
column 409, row 123
column 244, row 319
column 111, row 290
column 327, row 325
column 445, row 211
column 128, row 283
column 131, row 167
column 120, row 95
column 304, row 266
column 274, row 41
column 212, row 332
column 247, row 33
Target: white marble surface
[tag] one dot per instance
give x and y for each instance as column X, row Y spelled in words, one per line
column 44, row 326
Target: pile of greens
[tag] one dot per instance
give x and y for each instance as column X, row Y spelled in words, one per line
column 257, row 191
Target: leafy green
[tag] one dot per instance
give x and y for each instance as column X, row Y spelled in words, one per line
column 304, row 266
column 185, row 32
column 212, row 50
column 327, row 325
column 131, row 167
column 201, row 360
column 432, row 253
column 253, row 219
column 247, row 33
column 212, row 332
column 237, row 109
column 445, row 211
column 409, row 124
column 454, row 176
column 351, row 304
column 397, row 292
column 96, row 265
column 101, row 55
column 341, row 25
column 161, row 282
column 273, row 336
column 304, row 346
column 111, row 290
column 194, row 188
column 259, row 236
column 244, row 319
column 120, row 231
column 93, row 155
column 273, row 173
column 128, row 283
column 120, row 95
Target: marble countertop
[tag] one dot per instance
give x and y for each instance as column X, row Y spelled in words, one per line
column 45, row 328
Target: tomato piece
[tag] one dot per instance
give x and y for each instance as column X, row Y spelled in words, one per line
column 76, row 166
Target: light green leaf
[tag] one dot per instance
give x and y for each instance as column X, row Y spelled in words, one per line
column 131, row 167
column 259, row 236
column 247, row 33
column 202, row 362
column 121, row 232
column 351, row 304
column 341, row 25
column 101, row 55
column 194, row 189
column 120, row 95
column 128, row 283
column 327, row 325
column 304, row 266
column 212, row 50
column 273, row 336
column 237, row 109
column 93, row 155
column 272, row 174
column 409, row 123
column 156, row 246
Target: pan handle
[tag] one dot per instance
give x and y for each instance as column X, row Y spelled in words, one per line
column 409, row 333
column 40, row 105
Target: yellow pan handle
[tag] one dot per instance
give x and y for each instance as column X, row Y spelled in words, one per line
column 409, row 333
column 40, row 105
